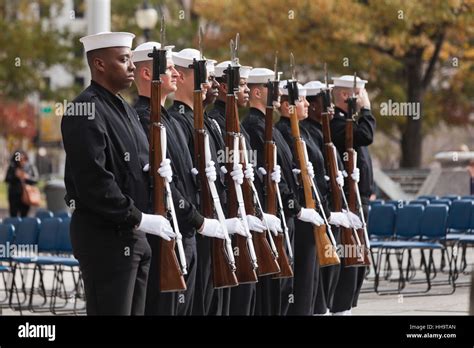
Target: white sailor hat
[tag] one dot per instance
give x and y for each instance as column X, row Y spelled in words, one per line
column 314, row 87
column 140, row 53
column 260, row 75
column 107, row 39
column 244, row 70
column 284, row 90
column 210, row 66
column 348, row 81
column 184, row 58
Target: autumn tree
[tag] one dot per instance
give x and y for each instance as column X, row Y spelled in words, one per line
column 411, row 51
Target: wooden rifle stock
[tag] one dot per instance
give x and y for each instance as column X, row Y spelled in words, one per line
column 284, row 263
column 222, row 273
column 327, row 256
column 171, row 277
column 348, row 242
column 243, row 261
column 352, row 185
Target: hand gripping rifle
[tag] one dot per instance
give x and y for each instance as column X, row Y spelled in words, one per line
column 245, row 258
column 327, row 255
column 171, row 274
column 223, row 262
column 349, row 238
column 351, row 163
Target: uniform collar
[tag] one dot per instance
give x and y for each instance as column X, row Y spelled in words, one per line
column 256, row 112
column 187, row 108
column 339, row 112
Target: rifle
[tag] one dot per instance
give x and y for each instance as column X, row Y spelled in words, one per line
column 349, row 239
column 171, row 274
column 326, row 252
column 223, row 262
column 245, row 259
column 351, row 163
column 271, row 189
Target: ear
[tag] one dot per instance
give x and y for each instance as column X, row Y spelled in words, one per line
column 99, row 64
column 223, row 87
column 145, row 73
column 285, row 105
column 180, row 76
column 257, row 93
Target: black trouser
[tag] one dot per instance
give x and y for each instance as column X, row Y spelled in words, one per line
column 114, row 267
column 268, row 296
column 361, row 271
column 205, row 303
column 306, row 270
column 157, row 303
column 328, row 278
column 242, row 299
column 17, row 206
column 186, row 298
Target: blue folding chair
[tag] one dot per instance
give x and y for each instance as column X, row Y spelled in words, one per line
column 47, row 244
column 43, row 214
column 451, row 197
column 433, row 235
column 407, row 227
column 63, row 214
column 380, row 226
column 7, row 236
column 423, row 202
column 397, row 204
column 26, row 239
column 15, row 221
column 459, row 216
column 428, row 197
column 442, row 201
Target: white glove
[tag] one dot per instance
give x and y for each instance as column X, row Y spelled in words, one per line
column 311, row 216
column 157, row 225
column 194, row 171
column 276, row 174
column 363, row 100
column 356, row 175
column 340, row 179
column 296, row 172
column 255, row 224
column 273, row 222
column 146, row 168
column 237, row 174
column 309, row 167
column 354, row 220
column 339, row 219
column 211, row 171
column 212, row 228
column 234, row 225
column 165, row 170
column 223, row 169
column 248, row 172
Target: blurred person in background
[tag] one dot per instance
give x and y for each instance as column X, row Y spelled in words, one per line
column 19, row 172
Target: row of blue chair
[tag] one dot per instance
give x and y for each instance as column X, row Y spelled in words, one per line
column 411, row 227
column 51, row 239
column 383, row 218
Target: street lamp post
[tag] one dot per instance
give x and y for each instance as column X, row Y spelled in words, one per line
column 146, row 18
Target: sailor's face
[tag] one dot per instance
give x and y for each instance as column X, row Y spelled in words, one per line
column 302, row 108
column 120, row 67
column 243, row 94
column 169, row 79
